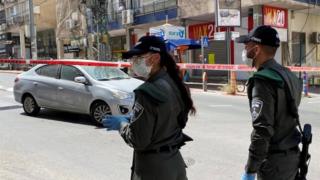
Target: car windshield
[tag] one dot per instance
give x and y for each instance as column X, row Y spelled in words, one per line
column 102, row 73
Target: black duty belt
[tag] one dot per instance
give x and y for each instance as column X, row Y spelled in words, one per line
column 162, row 149
column 293, row 149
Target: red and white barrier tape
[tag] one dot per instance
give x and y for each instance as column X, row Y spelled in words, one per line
column 220, row 67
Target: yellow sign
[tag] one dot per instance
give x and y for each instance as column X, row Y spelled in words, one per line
column 211, row 58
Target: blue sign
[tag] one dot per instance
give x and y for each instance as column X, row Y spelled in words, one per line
column 205, row 41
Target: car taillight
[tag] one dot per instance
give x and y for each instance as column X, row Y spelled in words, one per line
column 16, row 80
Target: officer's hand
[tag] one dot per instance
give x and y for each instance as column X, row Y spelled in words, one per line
column 112, row 122
column 247, row 176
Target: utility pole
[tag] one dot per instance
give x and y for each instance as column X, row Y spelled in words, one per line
column 33, row 39
column 228, row 39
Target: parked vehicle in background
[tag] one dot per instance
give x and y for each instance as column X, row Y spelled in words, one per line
column 92, row 90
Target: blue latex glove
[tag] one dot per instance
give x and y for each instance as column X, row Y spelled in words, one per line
column 113, row 122
column 247, row 176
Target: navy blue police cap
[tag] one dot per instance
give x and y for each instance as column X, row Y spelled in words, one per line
column 146, row 44
column 265, row 35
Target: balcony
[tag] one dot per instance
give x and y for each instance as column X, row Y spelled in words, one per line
column 156, row 7
column 310, row 2
column 156, row 11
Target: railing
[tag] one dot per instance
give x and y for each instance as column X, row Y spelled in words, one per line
column 311, row 2
column 156, row 6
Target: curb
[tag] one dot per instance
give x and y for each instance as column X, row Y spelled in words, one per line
column 217, row 92
column 11, row 72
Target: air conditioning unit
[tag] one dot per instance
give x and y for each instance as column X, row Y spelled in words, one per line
column 75, row 16
column 315, row 38
column 3, row 27
column 10, row 21
column 70, row 24
column 127, row 16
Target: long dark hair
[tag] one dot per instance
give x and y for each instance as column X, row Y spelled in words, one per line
column 174, row 71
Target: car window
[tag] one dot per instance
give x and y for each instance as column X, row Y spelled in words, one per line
column 48, row 70
column 103, row 73
column 69, row 73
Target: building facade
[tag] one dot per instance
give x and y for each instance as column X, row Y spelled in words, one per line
column 15, row 28
column 296, row 21
column 102, row 29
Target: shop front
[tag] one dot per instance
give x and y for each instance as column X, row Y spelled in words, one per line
column 214, row 53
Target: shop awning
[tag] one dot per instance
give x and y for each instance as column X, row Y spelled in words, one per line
column 176, row 43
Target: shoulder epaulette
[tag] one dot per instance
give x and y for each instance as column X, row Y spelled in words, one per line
column 153, row 91
column 269, row 74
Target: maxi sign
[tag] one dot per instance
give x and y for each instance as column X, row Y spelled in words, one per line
column 168, row 31
column 275, row 17
column 198, row 30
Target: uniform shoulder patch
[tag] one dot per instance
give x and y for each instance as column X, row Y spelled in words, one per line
column 256, row 108
column 137, row 111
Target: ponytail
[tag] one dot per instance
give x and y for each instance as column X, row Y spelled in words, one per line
column 173, row 71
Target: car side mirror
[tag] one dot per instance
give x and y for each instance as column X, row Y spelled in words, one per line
column 80, row 79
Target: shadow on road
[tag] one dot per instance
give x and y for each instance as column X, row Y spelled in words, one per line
column 55, row 115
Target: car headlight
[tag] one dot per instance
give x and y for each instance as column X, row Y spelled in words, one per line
column 121, row 95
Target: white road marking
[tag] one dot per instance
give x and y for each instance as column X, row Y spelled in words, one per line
column 313, row 102
column 6, row 89
column 220, row 105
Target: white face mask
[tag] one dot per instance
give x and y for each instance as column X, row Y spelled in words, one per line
column 246, row 59
column 140, row 68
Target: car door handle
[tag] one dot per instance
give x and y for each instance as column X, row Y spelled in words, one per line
column 60, row 88
column 35, row 83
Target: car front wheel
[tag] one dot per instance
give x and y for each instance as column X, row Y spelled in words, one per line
column 99, row 110
column 30, row 106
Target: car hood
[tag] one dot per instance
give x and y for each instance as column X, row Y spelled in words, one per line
column 126, row 85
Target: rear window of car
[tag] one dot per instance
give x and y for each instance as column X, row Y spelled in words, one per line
column 48, row 70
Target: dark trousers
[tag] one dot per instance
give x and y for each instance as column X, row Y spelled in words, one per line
column 280, row 166
column 159, row 166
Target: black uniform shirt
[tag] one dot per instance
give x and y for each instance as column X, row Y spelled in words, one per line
column 274, row 127
column 154, row 123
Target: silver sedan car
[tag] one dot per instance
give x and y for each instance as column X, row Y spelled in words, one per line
column 92, row 90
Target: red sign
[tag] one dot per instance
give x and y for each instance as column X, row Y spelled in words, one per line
column 198, row 30
column 275, row 17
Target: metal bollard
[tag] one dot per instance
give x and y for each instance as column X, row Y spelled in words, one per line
column 204, row 81
column 233, row 83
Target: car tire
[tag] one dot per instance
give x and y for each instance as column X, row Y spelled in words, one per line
column 99, row 110
column 30, row 106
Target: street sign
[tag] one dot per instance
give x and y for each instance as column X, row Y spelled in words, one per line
column 234, row 35
column 219, row 36
column 205, row 41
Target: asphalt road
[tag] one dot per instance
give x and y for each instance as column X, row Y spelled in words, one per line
column 65, row 146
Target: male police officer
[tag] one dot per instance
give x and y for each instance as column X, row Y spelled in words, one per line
column 274, row 94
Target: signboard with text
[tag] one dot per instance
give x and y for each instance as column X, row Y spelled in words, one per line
column 228, row 13
column 197, row 30
column 275, row 17
column 168, row 31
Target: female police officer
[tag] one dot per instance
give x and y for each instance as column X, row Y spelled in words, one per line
column 160, row 113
